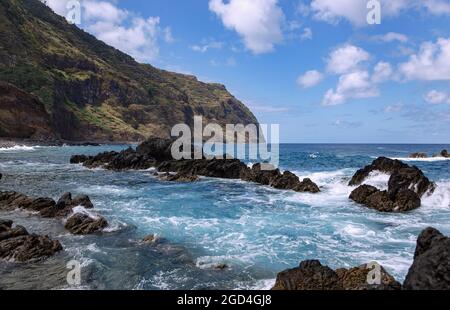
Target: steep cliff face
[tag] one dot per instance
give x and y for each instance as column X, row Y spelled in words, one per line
column 91, row 91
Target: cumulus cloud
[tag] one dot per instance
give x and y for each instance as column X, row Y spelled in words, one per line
column 258, row 22
column 306, row 35
column 310, row 79
column 346, row 58
column 351, row 86
column 437, row 7
column 437, row 97
column 382, row 72
column 431, row 63
column 132, row 34
column 397, row 107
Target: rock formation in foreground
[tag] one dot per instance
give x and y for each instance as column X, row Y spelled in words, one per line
column 431, row 267
column 430, row 271
column 312, row 275
column 48, row 208
column 16, row 244
column 157, row 153
column 407, row 184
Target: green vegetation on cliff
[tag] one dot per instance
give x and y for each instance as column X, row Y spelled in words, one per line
column 91, row 91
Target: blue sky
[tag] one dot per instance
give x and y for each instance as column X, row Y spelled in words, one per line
column 316, row 67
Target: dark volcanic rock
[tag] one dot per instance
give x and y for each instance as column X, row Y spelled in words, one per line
column 17, row 245
column 179, row 177
column 405, row 187
column 431, row 267
column 382, row 164
column 312, row 275
column 65, row 205
column 443, row 153
column 356, row 279
column 409, row 178
column 13, row 200
column 404, row 200
column 418, row 155
column 157, row 153
column 82, row 224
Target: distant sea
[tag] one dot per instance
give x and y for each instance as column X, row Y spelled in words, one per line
column 256, row 231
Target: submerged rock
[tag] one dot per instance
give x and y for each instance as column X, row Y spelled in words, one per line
column 16, row 244
column 312, row 275
column 431, row 266
column 83, row 224
column 179, row 177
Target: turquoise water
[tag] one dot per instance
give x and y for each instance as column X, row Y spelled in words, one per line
column 257, row 231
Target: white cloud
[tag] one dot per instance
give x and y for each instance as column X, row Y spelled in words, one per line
column 310, row 79
column 355, row 11
column 391, row 37
column 437, row 97
column 350, row 86
column 382, row 72
column 437, row 7
column 258, row 22
column 397, row 107
column 431, row 63
column 124, row 30
column 307, row 34
column 207, row 45
column 346, row 59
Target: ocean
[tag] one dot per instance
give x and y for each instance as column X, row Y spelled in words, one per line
column 256, row 231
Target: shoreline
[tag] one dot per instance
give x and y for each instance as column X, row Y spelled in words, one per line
column 10, row 143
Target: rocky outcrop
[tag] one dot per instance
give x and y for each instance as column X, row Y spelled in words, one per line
column 405, row 200
column 405, row 187
column 418, row 155
column 48, row 208
column 312, row 275
column 83, row 224
column 16, row 244
column 156, row 152
column 443, row 153
column 431, row 266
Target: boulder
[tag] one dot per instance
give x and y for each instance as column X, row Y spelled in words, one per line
column 79, row 159
column 431, row 266
column 312, row 275
column 157, row 148
column 65, row 205
column 409, row 178
column 403, row 201
column 307, row 185
column 418, row 155
column 82, row 224
column 16, row 244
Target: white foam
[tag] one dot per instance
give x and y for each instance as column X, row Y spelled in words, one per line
column 440, row 198
column 429, row 159
column 378, row 179
column 83, row 210
column 18, row 148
